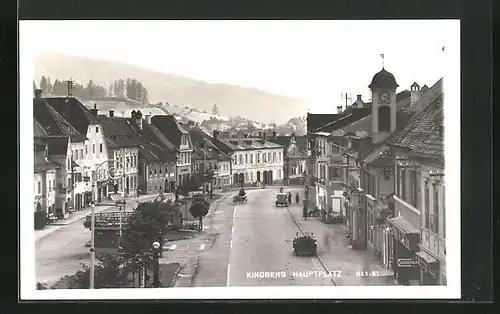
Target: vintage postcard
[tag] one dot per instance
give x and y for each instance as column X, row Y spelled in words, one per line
column 240, row 159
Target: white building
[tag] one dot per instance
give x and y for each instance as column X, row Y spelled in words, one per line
column 254, row 160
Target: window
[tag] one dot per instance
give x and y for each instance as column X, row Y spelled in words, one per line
column 251, row 158
column 97, row 129
column 100, row 148
column 427, row 204
column 274, row 157
column 81, row 153
column 396, row 181
column 39, row 187
column 268, row 157
column 414, row 190
column 251, row 177
column 246, row 177
column 335, row 148
column 235, row 160
column 435, row 209
column 74, row 153
column 93, row 148
column 403, row 184
column 279, row 173
column 264, row 159
column 279, row 154
column 241, row 159
column 166, row 169
column 86, row 150
column 50, row 185
column 384, row 119
column 246, row 158
column 257, row 157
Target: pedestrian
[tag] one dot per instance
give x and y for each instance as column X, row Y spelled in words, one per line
column 281, row 189
column 326, row 241
column 290, row 198
column 297, row 198
column 304, row 211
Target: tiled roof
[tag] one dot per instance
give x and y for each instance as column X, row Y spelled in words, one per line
column 53, row 123
column 38, row 130
column 354, row 115
column 317, row 120
column 154, row 146
column 118, row 132
column 427, row 96
column 300, row 141
column 379, row 155
column 424, row 134
column 56, row 145
column 73, row 111
column 169, row 127
column 244, row 144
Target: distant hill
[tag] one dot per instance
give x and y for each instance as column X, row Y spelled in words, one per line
column 231, row 100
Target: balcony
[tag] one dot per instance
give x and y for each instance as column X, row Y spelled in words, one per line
column 410, row 213
column 433, row 243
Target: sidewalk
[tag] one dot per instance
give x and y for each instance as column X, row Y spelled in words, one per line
column 336, row 253
column 79, row 215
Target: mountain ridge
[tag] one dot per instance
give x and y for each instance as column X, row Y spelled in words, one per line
column 232, row 100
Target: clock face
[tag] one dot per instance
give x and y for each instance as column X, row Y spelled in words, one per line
column 384, row 98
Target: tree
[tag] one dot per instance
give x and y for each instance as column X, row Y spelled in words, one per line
column 147, row 225
column 215, row 110
column 199, row 210
column 111, row 90
column 43, row 84
column 193, row 183
column 49, row 85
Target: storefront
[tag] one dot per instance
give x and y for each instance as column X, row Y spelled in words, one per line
column 405, row 239
column 429, row 269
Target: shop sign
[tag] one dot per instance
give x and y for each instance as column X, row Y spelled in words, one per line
column 407, row 262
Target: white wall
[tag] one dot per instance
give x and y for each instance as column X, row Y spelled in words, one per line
column 252, row 161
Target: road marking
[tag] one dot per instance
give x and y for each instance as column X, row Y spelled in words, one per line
column 228, row 272
column 202, row 246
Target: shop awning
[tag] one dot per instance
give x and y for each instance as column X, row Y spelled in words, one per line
column 402, row 224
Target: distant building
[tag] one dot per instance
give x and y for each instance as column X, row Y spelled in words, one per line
column 294, row 158
column 254, row 160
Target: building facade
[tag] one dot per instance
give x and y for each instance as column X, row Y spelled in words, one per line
column 294, row 157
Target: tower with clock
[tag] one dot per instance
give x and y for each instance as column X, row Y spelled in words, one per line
column 383, row 88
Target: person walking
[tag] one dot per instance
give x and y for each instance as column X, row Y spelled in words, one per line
column 290, row 198
column 297, row 198
column 304, row 211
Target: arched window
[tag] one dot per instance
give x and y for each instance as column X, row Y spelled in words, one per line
column 384, row 119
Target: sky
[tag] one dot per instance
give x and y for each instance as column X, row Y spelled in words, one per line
column 314, row 60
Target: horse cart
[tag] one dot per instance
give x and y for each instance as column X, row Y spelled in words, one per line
column 305, row 245
column 238, row 199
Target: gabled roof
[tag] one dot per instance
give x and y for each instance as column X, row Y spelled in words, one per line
column 154, row 146
column 169, row 127
column 118, row 132
column 200, row 138
column 53, row 123
column 424, row 134
column 74, row 112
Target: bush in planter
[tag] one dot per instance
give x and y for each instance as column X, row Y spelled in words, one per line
column 40, row 220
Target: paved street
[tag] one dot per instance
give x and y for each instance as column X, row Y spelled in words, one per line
column 61, row 252
column 251, row 246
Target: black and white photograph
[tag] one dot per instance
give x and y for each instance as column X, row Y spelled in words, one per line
column 240, row 159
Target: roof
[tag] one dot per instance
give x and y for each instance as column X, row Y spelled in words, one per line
column 424, row 134
column 300, row 141
column 56, row 145
column 365, row 124
column 317, row 120
column 245, row 144
column 353, row 115
column 200, row 138
column 53, row 123
column 383, row 79
column 379, row 155
column 38, row 130
column 42, row 164
column 170, row 127
column 118, row 132
column 73, row 111
column 154, row 146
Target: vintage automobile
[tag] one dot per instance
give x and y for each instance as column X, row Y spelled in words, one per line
column 238, row 199
column 305, row 245
column 281, row 199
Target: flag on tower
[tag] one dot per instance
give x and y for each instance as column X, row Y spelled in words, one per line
column 382, row 55
column 442, row 48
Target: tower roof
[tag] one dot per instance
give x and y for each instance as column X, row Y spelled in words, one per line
column 383, row 79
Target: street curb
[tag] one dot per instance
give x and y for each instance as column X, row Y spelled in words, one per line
column 186, row 274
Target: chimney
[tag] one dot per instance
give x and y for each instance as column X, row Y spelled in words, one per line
column 94, row 111
column 111, row 113
column 274, row 134
column 148, row 118
column 38, row 93
column 215, row 134
column 138, row 119
column 415, row 93
column 132, row 114
column 358, row 98
column 70, row 88
column 339, row 109
column 260, row 134
column 264, row 136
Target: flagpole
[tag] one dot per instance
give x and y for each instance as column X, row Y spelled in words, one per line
column 383, row 59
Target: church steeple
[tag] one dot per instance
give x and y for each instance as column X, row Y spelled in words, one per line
column 383, row 87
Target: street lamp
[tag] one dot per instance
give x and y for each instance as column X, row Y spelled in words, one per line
column 156, row 255
column 92, row 242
